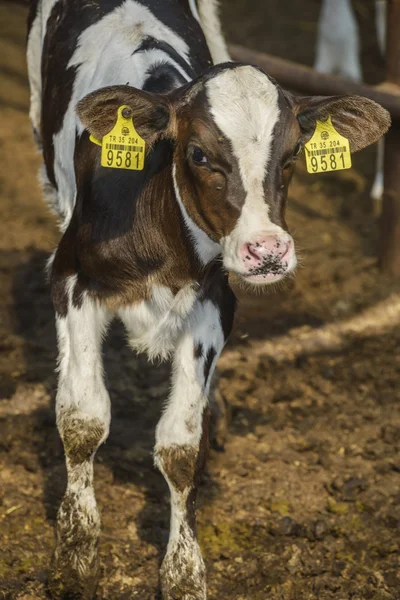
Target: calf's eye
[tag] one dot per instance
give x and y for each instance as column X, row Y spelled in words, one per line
column 297, row 149
column 198, row 156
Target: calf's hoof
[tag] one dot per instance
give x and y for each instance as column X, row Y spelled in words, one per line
column 68, row 582
column 75, row 566
column 183, row 578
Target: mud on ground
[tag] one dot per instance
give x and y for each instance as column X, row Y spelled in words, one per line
column 304, row 502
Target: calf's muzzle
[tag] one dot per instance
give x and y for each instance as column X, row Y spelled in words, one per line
column 268, row 257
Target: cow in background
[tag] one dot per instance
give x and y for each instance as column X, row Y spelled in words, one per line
column 338, row 52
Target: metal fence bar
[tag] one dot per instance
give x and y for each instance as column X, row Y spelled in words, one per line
column 303, row 79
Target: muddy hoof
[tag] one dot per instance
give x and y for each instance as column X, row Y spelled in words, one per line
column 67, row 583
column 183, row 576
column 182, row 590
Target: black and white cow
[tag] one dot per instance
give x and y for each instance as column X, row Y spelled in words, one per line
column 154, row 247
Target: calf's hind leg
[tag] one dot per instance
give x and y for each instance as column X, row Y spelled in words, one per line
column 83, row 418
column 181, row 444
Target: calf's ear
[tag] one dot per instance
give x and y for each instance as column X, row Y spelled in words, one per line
column 151, row 113
column 358, row 119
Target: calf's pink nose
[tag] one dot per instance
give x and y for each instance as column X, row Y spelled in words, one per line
column 272, row 246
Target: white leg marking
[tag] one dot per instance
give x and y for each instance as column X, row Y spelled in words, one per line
column 81, row 385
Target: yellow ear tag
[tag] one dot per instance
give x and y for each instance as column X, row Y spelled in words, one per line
column 94, row 140
column 327, row 150
column 122, row 147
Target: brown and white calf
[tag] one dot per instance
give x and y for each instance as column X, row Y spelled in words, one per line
column 154, row 247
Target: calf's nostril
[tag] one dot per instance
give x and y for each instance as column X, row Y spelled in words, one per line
column 284, row 248
column 254, row 251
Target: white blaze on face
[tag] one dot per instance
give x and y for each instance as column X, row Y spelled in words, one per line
column 244, row 105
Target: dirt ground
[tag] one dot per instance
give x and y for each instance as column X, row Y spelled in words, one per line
column 304, row 500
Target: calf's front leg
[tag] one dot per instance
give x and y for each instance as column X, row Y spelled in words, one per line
column 181, row 445
column 83, row 418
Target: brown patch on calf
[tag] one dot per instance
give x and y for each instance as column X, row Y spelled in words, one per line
column 119, row 263
column 213, row 195
column 286, row 134
column 179, row 465
column 81, row 437
column 183, row 463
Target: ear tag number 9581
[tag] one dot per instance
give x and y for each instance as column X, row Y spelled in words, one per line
column 327, row 150
column 122, row 147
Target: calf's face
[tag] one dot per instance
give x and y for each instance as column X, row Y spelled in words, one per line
column 236, row 144
column 236, row 136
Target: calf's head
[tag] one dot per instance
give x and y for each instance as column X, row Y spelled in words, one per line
column 236, row 136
